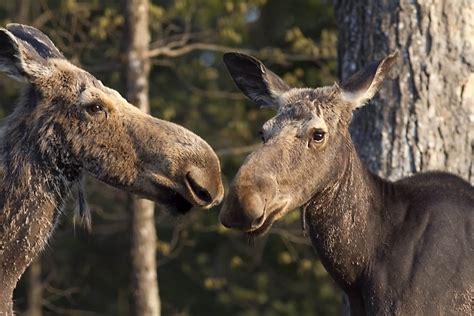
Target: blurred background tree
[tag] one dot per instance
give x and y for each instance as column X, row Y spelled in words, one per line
column 144, row 298
column 203, row 268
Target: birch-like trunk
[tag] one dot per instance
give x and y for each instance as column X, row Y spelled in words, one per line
column 145, row 295
column 423, row 119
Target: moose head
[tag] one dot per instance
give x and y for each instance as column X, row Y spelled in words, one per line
column 68, row 122
column 305, row 146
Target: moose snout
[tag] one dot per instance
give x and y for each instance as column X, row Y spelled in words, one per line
column 206, row 190
column 245, row 208
column 244, row 216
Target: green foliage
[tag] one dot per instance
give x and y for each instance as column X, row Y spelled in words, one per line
column 204, row 268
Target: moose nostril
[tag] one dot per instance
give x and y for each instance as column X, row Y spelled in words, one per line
column 199, row 191
column 204, row 195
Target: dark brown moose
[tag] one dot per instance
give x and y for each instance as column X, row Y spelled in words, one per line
column 68, row 123
column 395, row 248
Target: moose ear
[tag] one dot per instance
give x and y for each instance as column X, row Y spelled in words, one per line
column 257, row 82
column 24, row 51
column 363, row 85
column 39, row 41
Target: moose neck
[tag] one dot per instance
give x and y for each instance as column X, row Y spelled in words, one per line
column 32, row 192
column 344, row 220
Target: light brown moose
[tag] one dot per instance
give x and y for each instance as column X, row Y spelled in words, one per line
column 395, row 248
column 68, row 123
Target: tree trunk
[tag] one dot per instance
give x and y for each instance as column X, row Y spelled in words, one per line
column 35, row 289
column 423, row 119
column 145, row 296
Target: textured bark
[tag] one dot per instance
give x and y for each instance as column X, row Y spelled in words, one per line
column 423, row 119
column 145, row 296
column 35, row 289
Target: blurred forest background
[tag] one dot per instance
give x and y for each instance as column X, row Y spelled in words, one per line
column 203, row 269
column 422, row 119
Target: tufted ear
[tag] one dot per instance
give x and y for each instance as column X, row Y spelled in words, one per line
column 363, row 85
column 24, row 51
column 257, row 82
column 36, row 39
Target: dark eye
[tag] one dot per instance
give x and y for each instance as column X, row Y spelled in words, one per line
column 94, row 108
column 318, row 136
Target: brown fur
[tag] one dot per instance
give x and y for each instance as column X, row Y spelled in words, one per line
column 402, row 248
column 68, row 123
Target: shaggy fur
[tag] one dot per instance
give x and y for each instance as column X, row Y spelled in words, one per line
column 395, row 248
column 68, row 123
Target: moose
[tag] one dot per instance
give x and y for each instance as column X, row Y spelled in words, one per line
column 67, row 124
column 395, row 248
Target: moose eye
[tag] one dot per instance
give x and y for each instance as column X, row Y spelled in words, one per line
column 318, row 135
column 94, row 108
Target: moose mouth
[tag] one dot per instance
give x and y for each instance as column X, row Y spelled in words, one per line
column 267, row 222
column 172, row 201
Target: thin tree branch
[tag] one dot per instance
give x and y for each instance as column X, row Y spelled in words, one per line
column 234, row 151
column 283, row 58
column 168, row 51
column 212, row 94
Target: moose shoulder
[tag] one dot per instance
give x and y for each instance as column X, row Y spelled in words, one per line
column 68, row 123
column 404, row 247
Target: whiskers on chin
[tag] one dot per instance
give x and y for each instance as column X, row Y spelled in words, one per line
column 251, row 239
